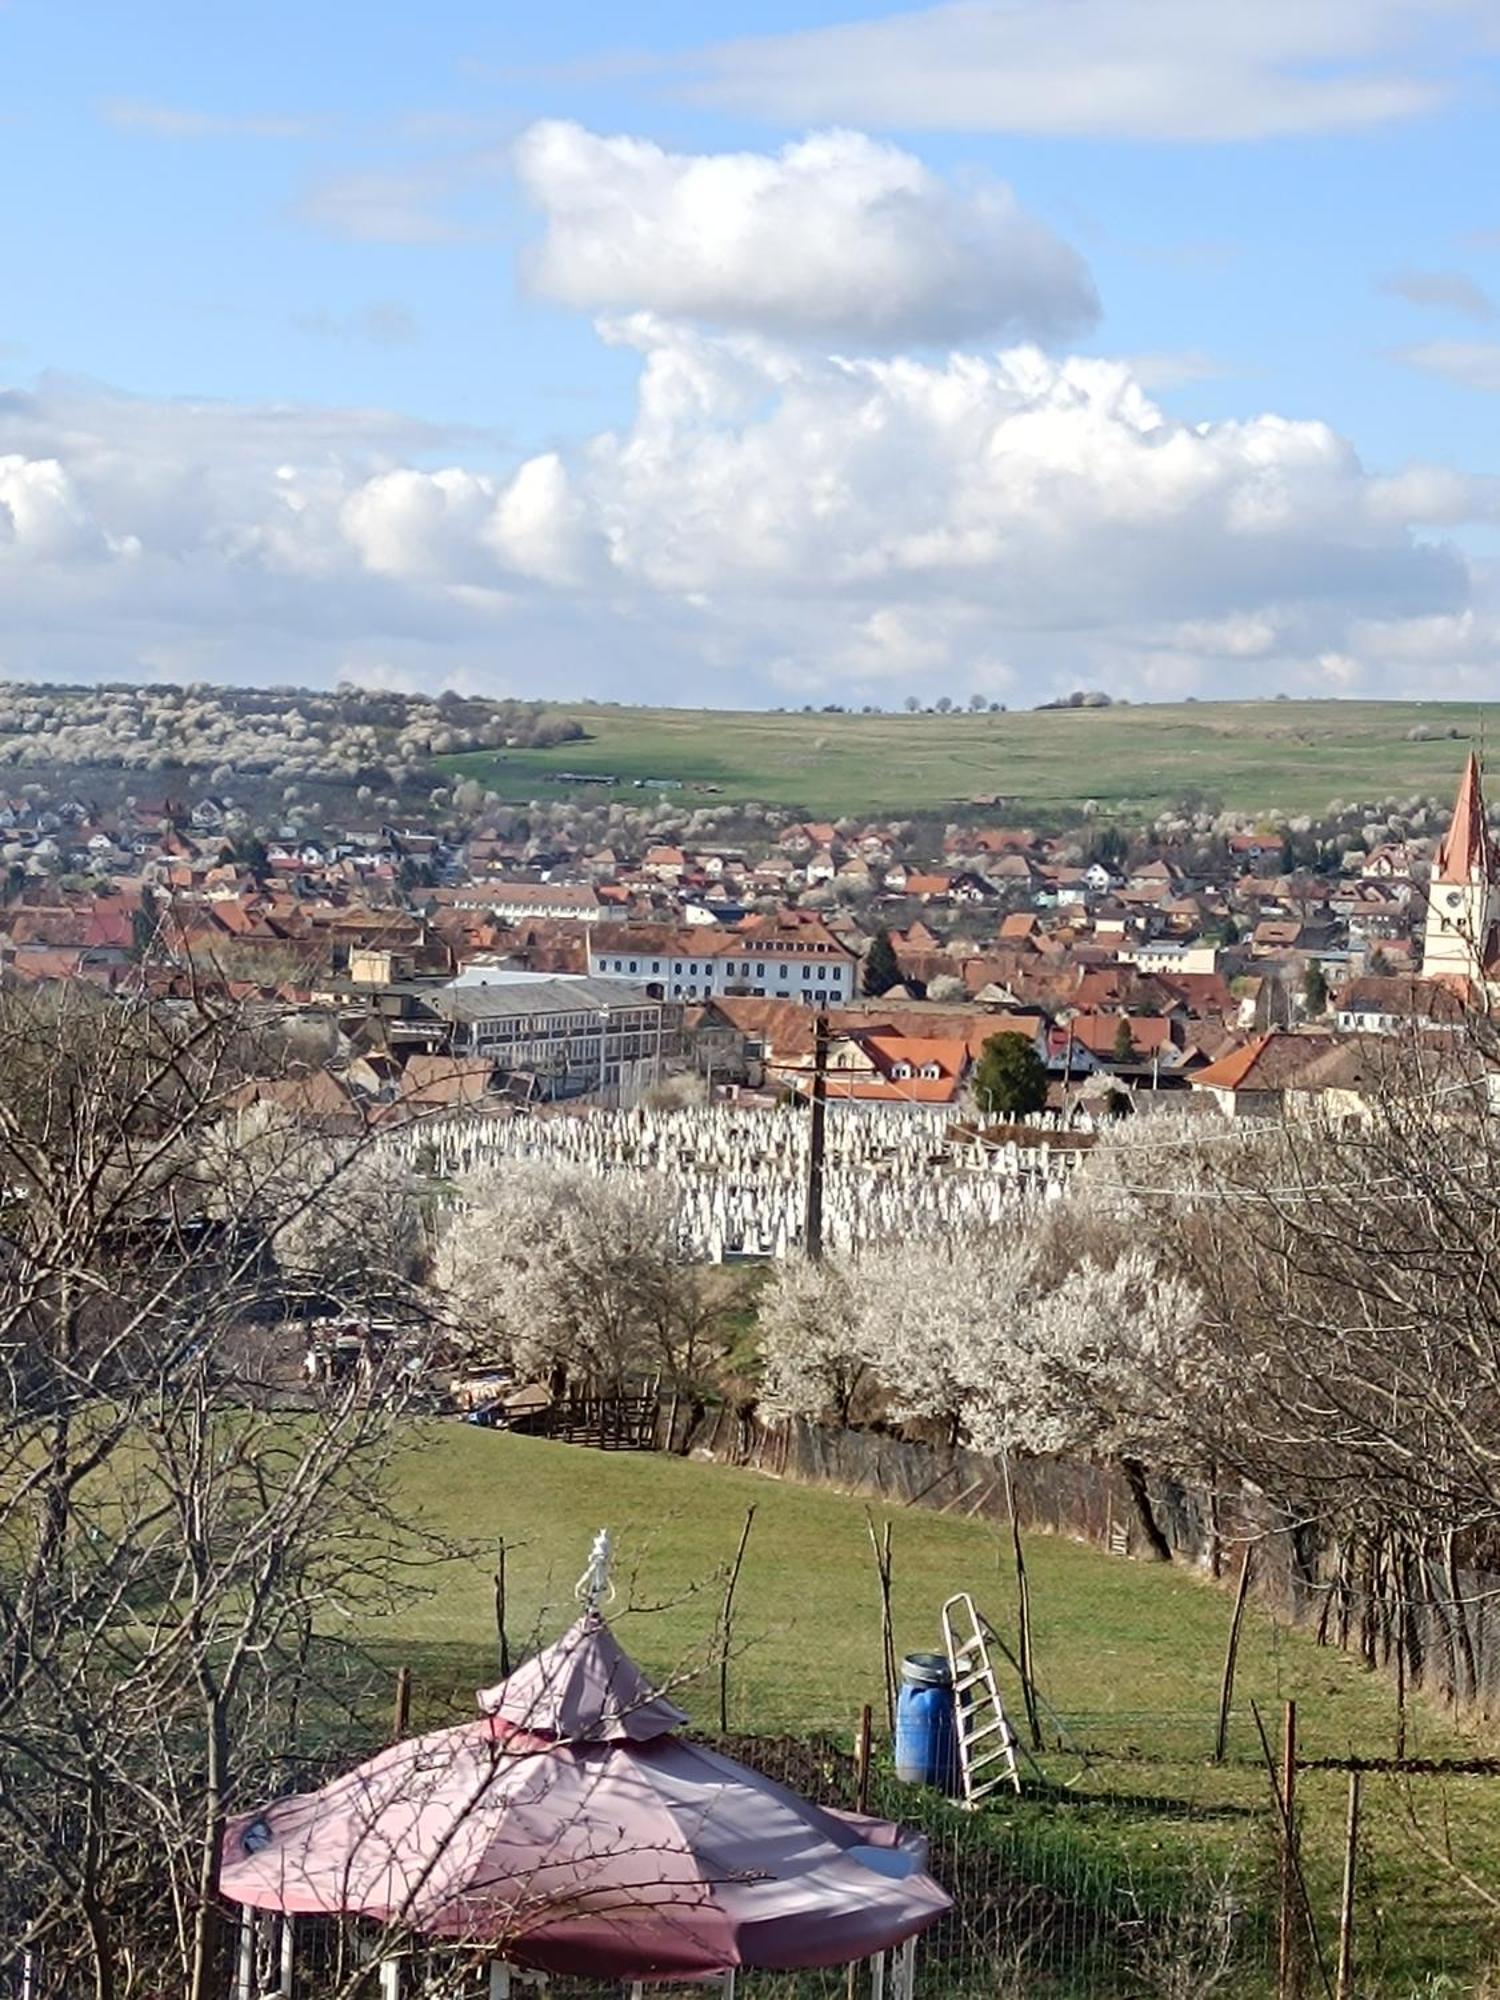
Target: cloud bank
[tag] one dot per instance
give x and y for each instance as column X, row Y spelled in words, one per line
column 1471, row 364
column 774, row 524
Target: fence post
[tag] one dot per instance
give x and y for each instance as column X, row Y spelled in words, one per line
column 401, row 1709
column 502, row 1644
column 1023, row 1608
column 1345, row 1981
column 881, row 1546
column 1231, row 1652
column 1288, row 1981
column 862, row 1760
column 727, row 1622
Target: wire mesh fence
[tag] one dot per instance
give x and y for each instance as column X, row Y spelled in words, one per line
column 1131, row 1865
column 1122, row 1871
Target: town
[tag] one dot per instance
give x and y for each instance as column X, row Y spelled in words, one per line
column 749, row 960
column 457, row 951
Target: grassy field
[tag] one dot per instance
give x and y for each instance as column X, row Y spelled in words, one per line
column 1251, row 756
column 1132, row 1649
column 1128, row 1655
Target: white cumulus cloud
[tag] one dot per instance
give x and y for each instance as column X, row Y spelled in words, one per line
column 772, row 523
column 837, row 235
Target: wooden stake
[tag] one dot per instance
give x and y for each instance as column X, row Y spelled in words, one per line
column 401, row 1710
column 1345, row 1975
column 862, row 1760
column 812, row 1235
column 1023, row 1611
column 726, row 1622
column 1231, row 1653
column 1288, row 1981
column 502, row 1644
column 862, row 1801
column 881, row 1545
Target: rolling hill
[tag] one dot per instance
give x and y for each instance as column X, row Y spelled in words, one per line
column 1132, row 761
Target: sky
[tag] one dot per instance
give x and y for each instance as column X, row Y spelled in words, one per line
column 736, row 355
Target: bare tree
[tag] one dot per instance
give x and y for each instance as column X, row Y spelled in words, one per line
column 181, row 1545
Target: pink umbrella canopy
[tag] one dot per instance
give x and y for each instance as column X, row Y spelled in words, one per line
column 572, row 1830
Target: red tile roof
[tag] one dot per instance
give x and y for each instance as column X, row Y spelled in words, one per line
column 1466, row 854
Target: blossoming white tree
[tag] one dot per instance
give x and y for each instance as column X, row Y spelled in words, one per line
column 1106, row 1362
column 812, row 1340
column 565, row 1272
column 968, row 1332
column 940, row 1319
column 367, row 1218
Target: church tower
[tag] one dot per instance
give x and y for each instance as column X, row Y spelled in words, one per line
column 1463, row 897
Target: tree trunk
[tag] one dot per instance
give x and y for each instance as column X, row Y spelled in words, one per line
column 206, row 1970
column 1466, row 1679
column 1135, row 1479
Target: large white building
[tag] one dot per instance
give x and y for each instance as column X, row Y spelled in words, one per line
column 804, row 962
column 561, row 1032
column 522, row 902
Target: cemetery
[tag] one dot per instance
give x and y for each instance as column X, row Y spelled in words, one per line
column 742, row 1173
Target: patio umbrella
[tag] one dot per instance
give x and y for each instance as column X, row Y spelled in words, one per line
column 571, row 1829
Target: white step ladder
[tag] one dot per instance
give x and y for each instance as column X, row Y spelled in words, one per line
column 986, row 1741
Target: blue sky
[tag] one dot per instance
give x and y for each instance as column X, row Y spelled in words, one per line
column 273, row 270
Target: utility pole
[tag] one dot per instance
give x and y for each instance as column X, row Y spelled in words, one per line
column 813, row 1230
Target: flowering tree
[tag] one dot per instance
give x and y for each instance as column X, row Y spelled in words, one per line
column 1109, row 1361
column 368, row 1199
column 1105, row 1355
column 564, row 1271
column 811, row 1340
column 939, row 1321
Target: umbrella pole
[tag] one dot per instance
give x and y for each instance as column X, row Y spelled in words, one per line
column 499, row 1980
column 904, row 1985
column 244, row 1972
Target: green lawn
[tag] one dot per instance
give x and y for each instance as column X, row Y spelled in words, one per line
column 1128, row 1654
column 1296, row 756
column 1126, row 1649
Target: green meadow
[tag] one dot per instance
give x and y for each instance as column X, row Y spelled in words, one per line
column 1248, row 756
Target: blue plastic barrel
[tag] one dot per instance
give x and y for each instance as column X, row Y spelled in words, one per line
column 926, row 1744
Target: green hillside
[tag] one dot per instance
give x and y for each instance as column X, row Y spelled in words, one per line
column 1251, row 756
column 1125, row 1649
column 1129, row 1654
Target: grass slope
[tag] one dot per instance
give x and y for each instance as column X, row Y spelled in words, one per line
column 1128, row 1649
column 1250, row 756
column 1128, row 1654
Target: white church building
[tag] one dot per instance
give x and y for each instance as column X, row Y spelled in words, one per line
column 1462, row 938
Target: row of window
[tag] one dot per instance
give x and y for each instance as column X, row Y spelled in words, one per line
column 728, row 970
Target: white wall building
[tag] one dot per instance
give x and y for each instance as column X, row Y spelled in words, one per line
column 570, row 1033
column 807, row 964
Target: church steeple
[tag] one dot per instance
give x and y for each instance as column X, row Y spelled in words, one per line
column 1463, row 897
column 1467, row 853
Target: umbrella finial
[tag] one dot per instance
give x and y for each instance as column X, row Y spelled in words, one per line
column 594, row 1586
